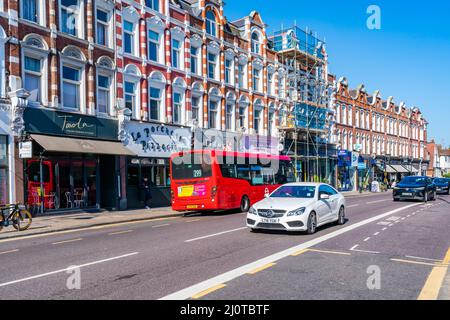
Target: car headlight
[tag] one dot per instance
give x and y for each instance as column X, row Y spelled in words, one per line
column 297, row 212
column 252, row 210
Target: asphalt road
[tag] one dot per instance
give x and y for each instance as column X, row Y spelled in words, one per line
column 212, row 256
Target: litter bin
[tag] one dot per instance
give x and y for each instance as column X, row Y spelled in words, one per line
column 375, row 187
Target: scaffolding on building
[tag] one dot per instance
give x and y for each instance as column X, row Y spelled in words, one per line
column 309, row 119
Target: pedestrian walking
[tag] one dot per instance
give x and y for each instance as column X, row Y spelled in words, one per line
column 145, row 186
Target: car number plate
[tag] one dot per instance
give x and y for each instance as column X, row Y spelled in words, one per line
column 192, row 207
column 270, row 220
column 407, row 194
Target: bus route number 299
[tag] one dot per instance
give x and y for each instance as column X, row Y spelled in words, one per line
column 197, row 173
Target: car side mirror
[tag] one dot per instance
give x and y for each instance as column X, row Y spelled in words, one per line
column 324, row 196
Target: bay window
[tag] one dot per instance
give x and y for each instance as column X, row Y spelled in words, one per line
column 176, row 53
column 256, row 79
column 195, row 55
column 229, row 71
column 212, row 65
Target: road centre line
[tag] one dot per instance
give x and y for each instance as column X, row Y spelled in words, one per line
column 378, row 201
column 67, row 269
column 330, row 251
column 235, row 273
column 215, row 234
column 161, row 225
column 366, row 239
column 67, row 241
column 353, row 206
column 414, row 262
column 365, row 251
column 428, row 259
column 119, row 232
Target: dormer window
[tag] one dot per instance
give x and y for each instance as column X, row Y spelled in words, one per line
column 211, row 24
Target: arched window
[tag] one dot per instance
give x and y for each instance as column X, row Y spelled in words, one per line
column 73, row 79
column 230, row 112
column 243, row 104
column 258, row 117
column 132, row 90
column 256, row 43
column 34, row 69
column 197, row 103
column 105, row 85
column 211, row 23
column 214, row 109
column 157, row 94
column 178, row 101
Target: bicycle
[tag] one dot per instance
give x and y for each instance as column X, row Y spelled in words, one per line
column 16, row 215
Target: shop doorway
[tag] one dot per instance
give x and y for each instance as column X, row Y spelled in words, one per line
column 61, row 183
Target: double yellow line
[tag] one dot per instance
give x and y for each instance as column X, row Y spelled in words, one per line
column 430, row 290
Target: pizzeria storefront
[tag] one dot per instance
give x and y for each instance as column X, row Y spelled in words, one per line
column 74, row 163
column 152, row 145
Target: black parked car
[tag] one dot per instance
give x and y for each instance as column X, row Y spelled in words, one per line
column 442, row 185
column 415, row 188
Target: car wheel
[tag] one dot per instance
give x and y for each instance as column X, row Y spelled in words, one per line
column 396, row 200
column 245, row 204
column 341, row 216
column 312, row 223
column 434, row 196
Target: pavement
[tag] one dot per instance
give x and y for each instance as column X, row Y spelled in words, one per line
column 67, row 221
column 386, row 250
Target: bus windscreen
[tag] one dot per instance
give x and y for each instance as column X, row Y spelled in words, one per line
column 196, row 167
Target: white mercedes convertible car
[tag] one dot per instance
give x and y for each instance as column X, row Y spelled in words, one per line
column 298, row 207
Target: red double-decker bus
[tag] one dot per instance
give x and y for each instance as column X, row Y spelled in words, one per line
column 212, row 180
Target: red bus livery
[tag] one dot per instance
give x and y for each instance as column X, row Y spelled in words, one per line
column 212, row 180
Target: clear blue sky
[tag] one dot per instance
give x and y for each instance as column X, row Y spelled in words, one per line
column 409, row 58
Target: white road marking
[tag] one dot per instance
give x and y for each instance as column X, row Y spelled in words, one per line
column 354, row 247
column 366, row 239
column 408, row 216
column 383, row 223
column 65, row 270
column 215, row 234
column 366, row 251
column 390, row 225
column 428, row 259
column 353, row 206
column 119, row 232
column 233, row 274
column 393, row 218
column 161, row 225
column 376, row 233
column 10, row 251
column 68, row 241
column 384, row 229
column 373, row 202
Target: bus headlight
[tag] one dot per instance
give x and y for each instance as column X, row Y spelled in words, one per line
column 252, row 210
column 297, row 212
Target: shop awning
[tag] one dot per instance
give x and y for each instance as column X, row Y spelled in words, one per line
column 73, row 145
column 390, row 169
column 399, row 168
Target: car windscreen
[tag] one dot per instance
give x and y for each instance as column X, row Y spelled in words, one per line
column 441, row 181
column 306, row 192
column 191, row 167
column 420, row 181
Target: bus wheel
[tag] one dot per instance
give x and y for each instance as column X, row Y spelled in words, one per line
column 245, row 204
